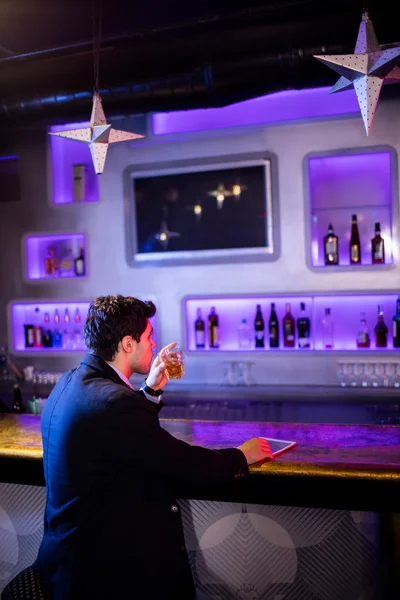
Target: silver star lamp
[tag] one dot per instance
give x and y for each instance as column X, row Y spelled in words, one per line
column 99, row 135
column 367, row 69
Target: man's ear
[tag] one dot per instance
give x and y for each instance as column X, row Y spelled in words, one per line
column 128, row 344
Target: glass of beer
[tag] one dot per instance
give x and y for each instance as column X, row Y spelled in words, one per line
column 173, row 358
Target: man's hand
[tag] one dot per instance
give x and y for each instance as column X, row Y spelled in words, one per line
column 255, row 450
column 157, row 379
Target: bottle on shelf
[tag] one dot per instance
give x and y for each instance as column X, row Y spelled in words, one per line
column 17, row 405
column 57, row 339
column 66, row 264
column 37, row 330
column 381, row 330
column 273, row 327
column 199, row 330
column 327, row 330
column 378, row 246
column 288, row 328
column 363, row 337
column 79, row 264
column 51, row 262
column 355, row 246
column 245, row 337
column 47, row 338
column 213, row 323
column 29, row 335
column 78, row 334
column 259, row 328
column 56, row 316
column 396, row 325
column 331, row 247
column 303, row 328
column 67, row 318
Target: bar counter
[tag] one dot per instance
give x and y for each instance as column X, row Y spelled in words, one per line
column 318, row 521
column 360, row 461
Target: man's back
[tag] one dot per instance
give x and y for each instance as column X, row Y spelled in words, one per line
column 104, row 517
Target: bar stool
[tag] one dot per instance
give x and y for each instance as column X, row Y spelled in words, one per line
column 27, row 585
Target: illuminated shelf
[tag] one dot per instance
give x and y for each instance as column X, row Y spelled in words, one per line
column 339, row 184
column 60, row 318
column 345, row 311
column 52, row 257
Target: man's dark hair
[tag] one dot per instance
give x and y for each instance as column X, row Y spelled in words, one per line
column 111, row 318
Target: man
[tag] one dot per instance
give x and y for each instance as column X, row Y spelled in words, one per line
column 112, row 527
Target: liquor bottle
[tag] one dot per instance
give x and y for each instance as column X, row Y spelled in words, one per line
column 37, row 330
column 381, row 331
column 259, row 328
column 327, row 330
column 355, row 246
column 273, row 327
column 79, row 264
column 396, row 325
column 51, row 262
column 303, row 328
column 363, row 337
column 245, row 337
column 331, row 247
column 56, row 316
column 213, row 323
column 47, row 339
column 29, row 336
column 57, row 339
column 66, row 264
column 17, row 405
column 377, row 246
column 200, row 330
column 66, row 316
column 288, row 328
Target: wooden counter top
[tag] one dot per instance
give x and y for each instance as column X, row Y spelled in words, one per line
column 332, row 466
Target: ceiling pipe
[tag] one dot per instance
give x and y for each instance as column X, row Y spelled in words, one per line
column 212, row 85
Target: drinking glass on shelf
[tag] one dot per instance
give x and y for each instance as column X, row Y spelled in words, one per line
column 387, row 374
column 361, row 377
column 244, row 376
column 352, row 375
column 342, row 374
column 229, row 377
column 375, row 375
column 396, row 376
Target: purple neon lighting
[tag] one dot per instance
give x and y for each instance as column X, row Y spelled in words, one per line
column 343, row 185
column 289, row 105
column 24, row 314
column 36, row 248
column 11, row 157
column 21, row 314
column 64, row 154
column 345, row 311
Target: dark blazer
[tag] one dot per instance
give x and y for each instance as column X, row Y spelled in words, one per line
column 112, row 526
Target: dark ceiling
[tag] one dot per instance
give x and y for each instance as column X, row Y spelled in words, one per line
column 170, row 55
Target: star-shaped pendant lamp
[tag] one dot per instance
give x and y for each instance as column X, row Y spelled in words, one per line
column 367, row 69
column 98, row 135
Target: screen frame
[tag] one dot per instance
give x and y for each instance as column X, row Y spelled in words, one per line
column 270, row 252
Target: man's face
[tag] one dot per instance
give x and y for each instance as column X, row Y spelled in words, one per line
column 142, row 357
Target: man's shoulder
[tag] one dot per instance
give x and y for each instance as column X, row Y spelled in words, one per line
column 93, row 388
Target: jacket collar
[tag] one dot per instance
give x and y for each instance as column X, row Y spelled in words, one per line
column 97, row 363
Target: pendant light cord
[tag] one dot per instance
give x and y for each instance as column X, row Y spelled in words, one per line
column 96, row 20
